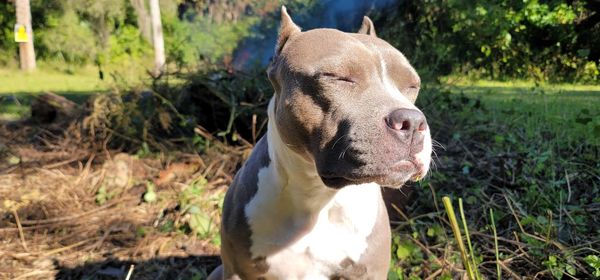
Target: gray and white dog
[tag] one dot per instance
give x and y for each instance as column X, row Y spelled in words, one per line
column 342, row 123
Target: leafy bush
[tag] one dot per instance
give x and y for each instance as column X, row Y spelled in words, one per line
column 68, row 40
column 544, row 41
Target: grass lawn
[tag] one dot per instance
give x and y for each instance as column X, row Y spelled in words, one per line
column 17, row 88
column 567, row 110
column 527, row 153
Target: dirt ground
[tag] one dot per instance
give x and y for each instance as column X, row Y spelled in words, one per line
column 70, row 209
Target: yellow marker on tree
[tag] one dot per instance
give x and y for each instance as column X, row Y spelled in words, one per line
column 21, row 33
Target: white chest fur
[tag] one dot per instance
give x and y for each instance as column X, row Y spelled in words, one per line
column 340, row 232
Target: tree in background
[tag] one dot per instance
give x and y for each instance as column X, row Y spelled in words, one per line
column 143, row 18
column 157, row 38
column 26, row 50
column 553, row 40
column 541, row 40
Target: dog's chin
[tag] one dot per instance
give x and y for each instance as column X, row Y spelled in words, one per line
column 391, row 176
column 336, row 182
column 391, row 180
column 394, row 181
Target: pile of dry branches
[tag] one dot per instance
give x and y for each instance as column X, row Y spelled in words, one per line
column 53, row 222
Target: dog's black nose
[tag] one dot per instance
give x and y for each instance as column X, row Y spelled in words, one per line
column 406, row 120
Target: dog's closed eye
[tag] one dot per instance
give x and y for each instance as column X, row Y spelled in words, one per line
column 336, row 77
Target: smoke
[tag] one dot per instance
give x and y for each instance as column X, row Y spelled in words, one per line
column 345, row 15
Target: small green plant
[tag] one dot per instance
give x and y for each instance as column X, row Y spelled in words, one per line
column 144, row 151
column 558, row 267
column 405, row 253
column 102, row 196
column 594, row 262
column 198, row 210
column 150, row 195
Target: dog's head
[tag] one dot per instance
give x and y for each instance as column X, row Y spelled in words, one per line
column 346, row 102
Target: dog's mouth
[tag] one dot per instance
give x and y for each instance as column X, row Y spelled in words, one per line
column 393, row 177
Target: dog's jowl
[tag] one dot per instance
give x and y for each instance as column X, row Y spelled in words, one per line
column 342, row 123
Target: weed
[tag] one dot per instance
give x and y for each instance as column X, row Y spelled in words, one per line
column 200, row 211
column 467, row 259
column 594, row 262
column 522, row 153
column 150, row 195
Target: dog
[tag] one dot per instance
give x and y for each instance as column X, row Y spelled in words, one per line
column 307, row 203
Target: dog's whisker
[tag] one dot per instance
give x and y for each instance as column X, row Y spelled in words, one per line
column 336, row 141
column 436, row 143
column 343, row 153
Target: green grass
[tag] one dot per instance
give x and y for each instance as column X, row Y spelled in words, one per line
column 13, row 81
column 17, row 88
column 569, row 111
column 529, row 155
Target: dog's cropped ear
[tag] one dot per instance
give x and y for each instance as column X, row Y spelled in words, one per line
column 286, row 30
column 367, row 27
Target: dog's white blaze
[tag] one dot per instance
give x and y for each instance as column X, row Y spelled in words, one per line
column 424, row 156
column 392, row 89
column 290, row 217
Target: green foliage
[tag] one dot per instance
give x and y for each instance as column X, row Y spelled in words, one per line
column 150, row 195
column 199, row 212
column 201, row 40
column 68, row 40
column 538, row 40
column 543, row 41
column 529, row 160
column 406, row 255
column 104, row 16
column 102, row 196
column 594, row 262
column 7, row 20
column 559, row 267
column 43, row 11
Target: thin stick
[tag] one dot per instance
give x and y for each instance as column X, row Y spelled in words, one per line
column 466, row 229
column 498, row 271
column 63, row 219
column 512, row 273
column 130, row 271
column 28, row 275
column 62, row 249
column 568, row 186
column 21, row 234
column 253, row 129
column 512, row 210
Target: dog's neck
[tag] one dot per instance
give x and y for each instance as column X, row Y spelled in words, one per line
column 291, row 199
column 300, row 182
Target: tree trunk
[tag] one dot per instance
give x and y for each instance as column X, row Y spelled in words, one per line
column 157, row 38
column 26, row 50
column 143, row 19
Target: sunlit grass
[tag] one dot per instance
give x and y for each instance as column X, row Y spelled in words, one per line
column 15, row 82
column 523, row 85
column 571, row 112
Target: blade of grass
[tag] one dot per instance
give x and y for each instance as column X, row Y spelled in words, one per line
column 498, row 271
column 458, row 236
column 474, row 265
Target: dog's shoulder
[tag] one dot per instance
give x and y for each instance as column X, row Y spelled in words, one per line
column 235, row 230
column 244, row 187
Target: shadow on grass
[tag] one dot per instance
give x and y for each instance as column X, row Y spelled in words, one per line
column 192, row 267
column 16, row 106
column 26, row 97
column 528, row 91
